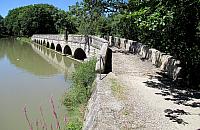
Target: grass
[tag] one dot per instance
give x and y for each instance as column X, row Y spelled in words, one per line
column 77, row 97
column 24, row 39
column 117, row 89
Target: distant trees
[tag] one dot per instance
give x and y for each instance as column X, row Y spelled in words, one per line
column 35, row 19
column 2, row 27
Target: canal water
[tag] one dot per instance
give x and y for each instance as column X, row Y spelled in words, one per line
column 32, row 76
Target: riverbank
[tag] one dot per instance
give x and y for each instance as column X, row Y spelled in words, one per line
column 136, row 96
column 76, row 98
column 24, row 39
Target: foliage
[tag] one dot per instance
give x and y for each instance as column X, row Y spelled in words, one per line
column 24, row 39
column 2, row 27
column 79, row 94
column 169, row 26
column 90, row 16
column 36, row 19
column 74, row 126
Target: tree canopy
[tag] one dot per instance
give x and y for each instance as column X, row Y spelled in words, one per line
column 37, row 19
column 170, row 26
column 2, row 27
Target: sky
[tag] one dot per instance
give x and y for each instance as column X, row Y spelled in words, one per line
column 6, row 5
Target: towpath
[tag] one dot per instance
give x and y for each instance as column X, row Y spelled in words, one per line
column 136, row 96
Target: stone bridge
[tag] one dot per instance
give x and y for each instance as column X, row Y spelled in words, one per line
column 79, row 47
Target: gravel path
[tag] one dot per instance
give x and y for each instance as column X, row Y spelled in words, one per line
column 135, row 96
column 148, row 103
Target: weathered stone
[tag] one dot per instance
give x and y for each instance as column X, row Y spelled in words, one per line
column 122, row 43
column 144, row 51
column 128, row 45
column 110, row 41
column 164, row 60
column 116, row 40
column 86, row 46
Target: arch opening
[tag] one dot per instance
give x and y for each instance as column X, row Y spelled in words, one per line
column 59, row 48
column 79, row 54
column 52, row 46
column 67, row 50
column 47, row 44
column 44, row 42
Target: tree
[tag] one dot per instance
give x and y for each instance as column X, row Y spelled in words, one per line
column 91, row 15
column 170, row 26
column 36, row 19
column 2, row 28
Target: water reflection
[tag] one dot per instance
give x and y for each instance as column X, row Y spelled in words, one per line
column 36, row 59
column 30, row 74
column 60, row 62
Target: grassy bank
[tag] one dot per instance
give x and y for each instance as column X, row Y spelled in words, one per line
column 24, row 39
column 77, row 97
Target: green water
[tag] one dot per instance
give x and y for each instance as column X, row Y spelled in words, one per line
column 31, row 75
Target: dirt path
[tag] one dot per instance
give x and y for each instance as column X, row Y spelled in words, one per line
column 135, row 96
column 150, row 101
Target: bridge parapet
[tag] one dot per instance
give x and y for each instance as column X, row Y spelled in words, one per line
column 165, row 62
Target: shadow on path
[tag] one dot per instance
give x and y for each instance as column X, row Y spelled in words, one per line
column 178, row 95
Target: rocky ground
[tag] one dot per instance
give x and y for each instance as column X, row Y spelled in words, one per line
column 136, row 96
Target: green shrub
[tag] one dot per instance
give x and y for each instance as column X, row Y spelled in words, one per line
column 76, row 98
column 74, row 126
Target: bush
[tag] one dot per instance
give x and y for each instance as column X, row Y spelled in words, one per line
column 76, row 98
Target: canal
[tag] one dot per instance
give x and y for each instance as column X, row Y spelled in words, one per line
column 31, row 75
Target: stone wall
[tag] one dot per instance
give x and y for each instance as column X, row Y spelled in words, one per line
column 164, row 61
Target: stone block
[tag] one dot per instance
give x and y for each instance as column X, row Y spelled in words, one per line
column 128, row 46
column 110, row 41
column 144, row 52
column 164, row 61
column 116, row 41
column 122, row 43
column 155, row 57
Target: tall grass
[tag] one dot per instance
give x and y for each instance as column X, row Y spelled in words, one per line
column 76, row 98
column 41, row 124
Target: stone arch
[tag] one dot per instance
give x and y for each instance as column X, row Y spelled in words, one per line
column 47, row 44
column 79, row 54
column 52, row 46
column 67, row 50
column 59, row 48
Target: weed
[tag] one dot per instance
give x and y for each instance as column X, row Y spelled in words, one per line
column 76, row 98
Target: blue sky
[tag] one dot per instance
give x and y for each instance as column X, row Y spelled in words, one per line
column 6, row 5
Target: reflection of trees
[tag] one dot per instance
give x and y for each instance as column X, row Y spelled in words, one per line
column 2, row 48
column 22, row 56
